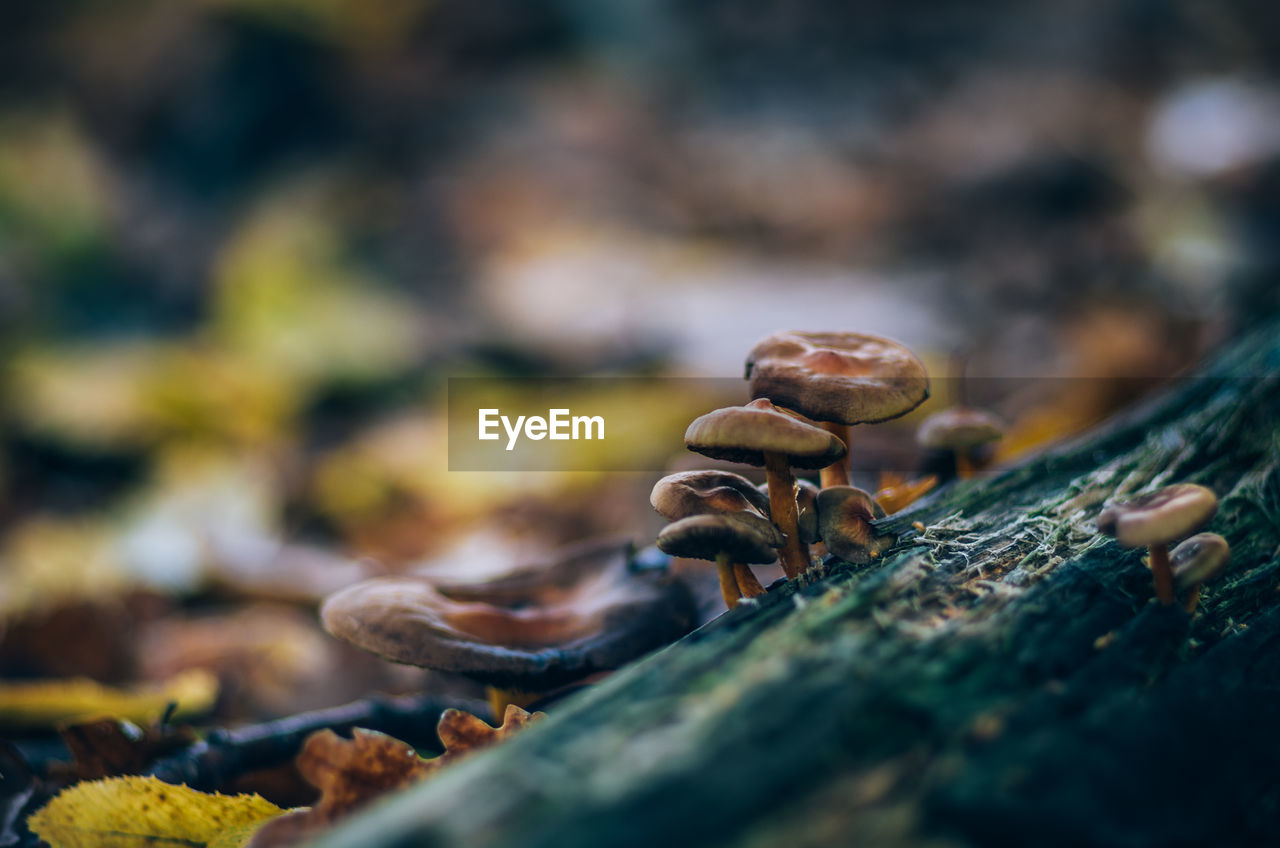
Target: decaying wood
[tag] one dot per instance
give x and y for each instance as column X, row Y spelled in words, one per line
column 1002, row 678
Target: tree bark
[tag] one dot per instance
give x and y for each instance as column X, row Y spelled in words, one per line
column 1004, row 677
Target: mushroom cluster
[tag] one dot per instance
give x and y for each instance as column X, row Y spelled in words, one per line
column 808, row 389
column 1154, row 520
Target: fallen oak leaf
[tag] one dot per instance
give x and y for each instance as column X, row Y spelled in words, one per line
column 353, row 772
column 461, row 732
column 142, row 812
column 48, row 703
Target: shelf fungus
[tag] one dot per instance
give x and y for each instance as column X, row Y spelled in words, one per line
column 726, row 540
column 1195, row 562
column 688, row 493
column 845, row 514
column 584, row 610
column 837, row 378
column 961, row 430
column 763, row 434
column 1155, row 519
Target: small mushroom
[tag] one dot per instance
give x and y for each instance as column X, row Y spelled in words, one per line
column 1195, row 562
column 845, row 514
column 687, row 493
column 1155, row 519
column 763, row 434
column 583, row 610
column 838, row 378
column 724, row 539
column 960, row 429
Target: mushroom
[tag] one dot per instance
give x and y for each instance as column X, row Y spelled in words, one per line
column 1155, row 519
column 960, row 429
column 838, row 378
column 1195, row 562
column 583, row 610
column 763, row 434
column 845, row 514
column 725, row 539
column 687, row 493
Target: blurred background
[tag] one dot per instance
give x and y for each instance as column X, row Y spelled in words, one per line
column 244, row 242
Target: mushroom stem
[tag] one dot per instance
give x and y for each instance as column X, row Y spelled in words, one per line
column 837, row 473
column 782, row 509
column 499, row 699
column 747, row 581
column 964, row 468
column 728, row 582
column 1193, row 600
column 1162, row 573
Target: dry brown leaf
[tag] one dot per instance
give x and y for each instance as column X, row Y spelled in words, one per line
column 352, row 772
column 110, row 747
column 461, row 733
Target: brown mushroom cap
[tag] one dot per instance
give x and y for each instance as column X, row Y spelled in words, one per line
column 689, row 493
column 746, row 433
column 845, row 514
column 848, row 378
column 746, row 538
column 959, row 428
column 1158, row 517
column 1199, row 559
column 586, row 612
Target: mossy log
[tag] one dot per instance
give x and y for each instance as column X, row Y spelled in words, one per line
column 1002, row 678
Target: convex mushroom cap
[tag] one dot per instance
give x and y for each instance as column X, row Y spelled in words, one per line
column 744, row 538
column 1158, row 517
column 689, row 493
column 1199, row 559
column 845, row 514
column 582, row 611
column 846, row 378
column 959, row 429
column 807, row 510
column 746, row 433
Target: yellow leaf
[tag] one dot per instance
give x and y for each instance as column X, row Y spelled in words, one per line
column 143, row 812
column 47, row 703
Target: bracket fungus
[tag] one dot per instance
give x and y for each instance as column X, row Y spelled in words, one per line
column 845, row 514
column 726, row 539
column 1195, row 562
column 1155, row 519
column 960, row 429
column 763, row 434
column 838, row 378
column 584, row 610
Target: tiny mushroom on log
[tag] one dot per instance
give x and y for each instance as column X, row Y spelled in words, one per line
column 763, row 434
column 725, row 539
column 845, row 514
column 582, row 611
column 1155, row 519
column 1195, row 562
column 838, row 378
column 960, row 429
column 688, row 493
